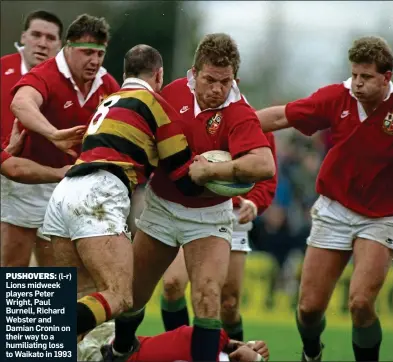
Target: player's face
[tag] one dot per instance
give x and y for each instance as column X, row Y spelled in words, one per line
column 41, row 41
column 85, row 62
column 368, row 84
column 212, row 85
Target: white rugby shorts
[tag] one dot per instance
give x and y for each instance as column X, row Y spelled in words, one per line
column 175, row 225
column 336, row 227
column 240, row 240
column 96, row 204
column 24, row 205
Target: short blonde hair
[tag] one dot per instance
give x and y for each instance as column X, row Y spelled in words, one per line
column 372, row 49
column 217, row 49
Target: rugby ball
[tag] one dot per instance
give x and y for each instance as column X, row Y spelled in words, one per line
column 225, row 188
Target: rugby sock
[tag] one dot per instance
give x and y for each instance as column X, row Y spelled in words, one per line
column 92, row 310
column 205, row 340
column 174, row 313
column 366, row 342
column 234, row 331
column 125, row 328
column 311, row 336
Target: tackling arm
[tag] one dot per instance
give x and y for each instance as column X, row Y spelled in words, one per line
column 273, row 118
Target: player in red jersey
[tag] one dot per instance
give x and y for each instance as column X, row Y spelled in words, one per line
column 354, row 213
column 131, row 131
column 173, row 303
column 23, row 170
column 214, row 116
column 171, row 346
column 60, row 93
column 41, row 40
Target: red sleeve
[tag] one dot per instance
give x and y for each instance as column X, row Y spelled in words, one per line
column 4, row 156
column 247, row 134
column 263, row 192
column 35, row 80
column 113, row 86
column 311, row 114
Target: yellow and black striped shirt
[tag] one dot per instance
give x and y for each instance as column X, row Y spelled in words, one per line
column 131, row 131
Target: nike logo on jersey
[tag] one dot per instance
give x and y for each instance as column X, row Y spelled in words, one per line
column 184, row 109
column 344, row 114
column 68, row 104
column 9, row 71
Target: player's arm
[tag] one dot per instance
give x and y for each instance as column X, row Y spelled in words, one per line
column 26, row 171
column 26, row 107
column 273, row 118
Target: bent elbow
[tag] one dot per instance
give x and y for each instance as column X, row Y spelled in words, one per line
column 13, row 171
column 16, row 105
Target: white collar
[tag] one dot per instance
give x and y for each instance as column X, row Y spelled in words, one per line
column 63, row 67
column 348, row 83
column 136, row 83
column 234, row 94
column 23, row 67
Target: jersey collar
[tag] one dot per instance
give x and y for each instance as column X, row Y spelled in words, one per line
column 23, row 67
column 234, row 94
column 65, row 70
column 136, row 83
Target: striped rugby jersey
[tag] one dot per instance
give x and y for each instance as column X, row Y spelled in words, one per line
column 131, row 132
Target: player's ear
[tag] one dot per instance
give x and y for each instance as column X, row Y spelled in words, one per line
column 194, row 71
column 124, row 77
column 237, row 80
column 388, row 77
column 23, row 38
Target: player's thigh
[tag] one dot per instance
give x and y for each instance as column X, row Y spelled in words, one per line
column 234, row 279
column 207, row 261
column 372, row 261
column 321, row 270
column 43, row 250
column 151, row 259
column 175, row 278
column 16, row 245
column 66, row 255
column 109, row 261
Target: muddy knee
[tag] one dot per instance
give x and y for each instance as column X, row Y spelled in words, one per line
column 206, row 299
column 173, row 289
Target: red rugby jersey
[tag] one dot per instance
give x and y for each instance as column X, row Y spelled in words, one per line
column 12, row 69
column 263, row 193
column 170, row 346
column 233, row 128
column 358, row 169
column 63, row 106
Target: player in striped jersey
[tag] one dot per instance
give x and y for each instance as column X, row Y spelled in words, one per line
column 130, row 133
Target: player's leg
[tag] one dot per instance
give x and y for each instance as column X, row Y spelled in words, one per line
column 16, row 245
column 155, row 248
column 174, row 310
column 43, row 250
column 372, row 259
column 327, row 254
column 207, row 261
column 230, row 298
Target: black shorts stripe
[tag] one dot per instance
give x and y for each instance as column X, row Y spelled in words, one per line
column 139, row 107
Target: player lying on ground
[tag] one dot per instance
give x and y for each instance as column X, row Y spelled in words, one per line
column 354, row 214
column 170, row 346
column 23, row 170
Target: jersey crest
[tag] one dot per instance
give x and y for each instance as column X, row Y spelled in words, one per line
column 214, row 123
column 387, row 125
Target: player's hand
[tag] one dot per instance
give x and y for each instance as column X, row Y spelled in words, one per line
column 247, row 211
column 17, row 140
column 261, row 348
column 65, row 139
column 200, row 170
column 62, row 171
column 244, row 354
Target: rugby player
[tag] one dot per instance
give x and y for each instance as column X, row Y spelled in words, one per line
column 353, row 216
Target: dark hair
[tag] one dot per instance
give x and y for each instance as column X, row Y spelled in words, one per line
column 46, row 16
column 86, row 24
column 142, row 59
column 219, row 50
column 372, row 49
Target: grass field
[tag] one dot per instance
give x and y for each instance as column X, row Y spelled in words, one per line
column 284, row 342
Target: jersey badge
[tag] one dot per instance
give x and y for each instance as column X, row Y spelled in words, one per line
column 214, row 123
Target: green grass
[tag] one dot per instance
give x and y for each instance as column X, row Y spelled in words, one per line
column 284, row 342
